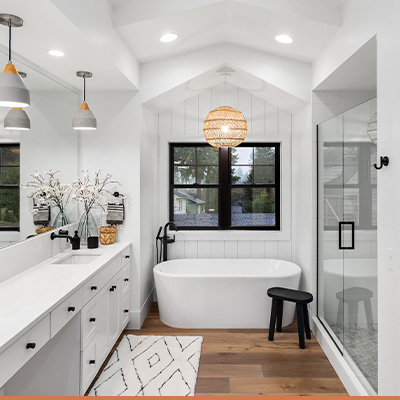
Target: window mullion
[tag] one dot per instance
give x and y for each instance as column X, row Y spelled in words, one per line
column 224, row 195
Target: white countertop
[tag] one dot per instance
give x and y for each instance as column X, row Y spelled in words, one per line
column 29, row 296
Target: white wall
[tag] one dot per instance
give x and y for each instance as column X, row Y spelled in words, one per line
column 362, row 20
column 266, row 123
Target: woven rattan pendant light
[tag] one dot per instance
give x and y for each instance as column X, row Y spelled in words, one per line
column 225, row 126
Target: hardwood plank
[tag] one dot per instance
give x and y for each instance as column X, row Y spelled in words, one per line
column 295, row 386
column 296, row 368
column 230, row 371
column 216, row 385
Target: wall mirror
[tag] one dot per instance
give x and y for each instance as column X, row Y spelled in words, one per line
column 50, row 144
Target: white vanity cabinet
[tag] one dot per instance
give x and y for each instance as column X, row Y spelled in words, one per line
column 88, row 311
column 103, row 319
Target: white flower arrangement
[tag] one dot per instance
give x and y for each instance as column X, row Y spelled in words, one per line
column 49, row 191
column 91, row 194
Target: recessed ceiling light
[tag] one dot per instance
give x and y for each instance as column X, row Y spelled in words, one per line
column 56, row 53
column 168, row 37
column 285, row 39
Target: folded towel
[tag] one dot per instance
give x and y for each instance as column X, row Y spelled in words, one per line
column 115, row 214
column 41, row 215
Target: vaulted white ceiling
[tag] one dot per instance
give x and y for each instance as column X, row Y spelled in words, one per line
column 249, row 23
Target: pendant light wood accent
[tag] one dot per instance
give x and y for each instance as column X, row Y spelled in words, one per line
column 225, row 127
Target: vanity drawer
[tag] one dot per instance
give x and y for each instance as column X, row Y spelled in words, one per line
column 126, row 255
column 65, row 311
column 15, row 356
column 90, row 364
column 90, row 319
column 126, row 279
column 95, row 284
column 125, row 311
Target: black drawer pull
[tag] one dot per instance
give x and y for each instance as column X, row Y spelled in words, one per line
column 112, row 288
column 92, row 361
column 71, row 309
column 92, row 320
column 126, row 279
column 127, row 256
column 126, row 311
column 93, row 288
column 31, row 345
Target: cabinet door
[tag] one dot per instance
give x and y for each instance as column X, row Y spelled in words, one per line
column 114, row 306
column 103, row 324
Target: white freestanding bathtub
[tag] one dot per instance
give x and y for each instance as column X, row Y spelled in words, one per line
column 222, row 293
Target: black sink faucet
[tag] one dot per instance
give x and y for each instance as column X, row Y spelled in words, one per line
column 63, row 234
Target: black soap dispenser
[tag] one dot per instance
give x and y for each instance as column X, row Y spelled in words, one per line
column 76, row 242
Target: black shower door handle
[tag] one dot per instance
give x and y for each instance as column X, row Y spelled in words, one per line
column 341, row 247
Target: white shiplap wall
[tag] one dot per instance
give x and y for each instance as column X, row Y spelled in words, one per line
column 266, row 123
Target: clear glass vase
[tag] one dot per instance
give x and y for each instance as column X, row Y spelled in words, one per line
column 61, row 219
column 87, row 227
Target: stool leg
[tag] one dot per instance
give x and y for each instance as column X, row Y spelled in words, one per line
column 340, row 313
column 279, row 314
column 306, row 321
column 368, row 312
column 272, row 320
column 300, row 325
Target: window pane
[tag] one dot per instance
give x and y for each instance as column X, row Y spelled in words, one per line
column 242, row 156
column 9, row 175
column 207, row 175
column 253, row 207
column 241, row 175
column 9, row 156
column 264, row 155
column 184, row 175
column 264, row 174
column 9, row 208
column 184, row 155
column 207, row 156
column 196, row 207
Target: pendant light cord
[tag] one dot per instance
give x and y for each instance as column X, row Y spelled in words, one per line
column 9, row 41
column 84, row 88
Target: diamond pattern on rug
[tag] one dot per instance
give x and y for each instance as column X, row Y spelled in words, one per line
column 151, row 366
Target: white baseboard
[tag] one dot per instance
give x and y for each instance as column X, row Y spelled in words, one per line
column 345, row 373
column 136, row 318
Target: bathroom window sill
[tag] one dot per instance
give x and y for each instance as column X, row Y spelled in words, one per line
column 231, row 235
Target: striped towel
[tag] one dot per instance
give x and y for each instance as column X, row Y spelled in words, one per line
column 41, row 215
column 115, row 214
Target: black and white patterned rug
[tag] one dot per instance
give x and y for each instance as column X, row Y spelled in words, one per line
column 151, row 366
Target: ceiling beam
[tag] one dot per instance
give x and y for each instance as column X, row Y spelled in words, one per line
column 136, row 11
column 314, row 10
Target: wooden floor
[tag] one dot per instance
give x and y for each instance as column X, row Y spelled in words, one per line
column 245, row 362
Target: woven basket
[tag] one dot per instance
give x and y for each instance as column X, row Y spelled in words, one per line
column 107, row 234
column 43, row 229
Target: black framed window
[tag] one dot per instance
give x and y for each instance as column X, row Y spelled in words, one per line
column 226, row 188
column 9, row 186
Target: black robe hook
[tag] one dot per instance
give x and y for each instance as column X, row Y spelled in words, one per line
column 384, row 162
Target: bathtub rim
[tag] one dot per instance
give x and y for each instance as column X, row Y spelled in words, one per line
column 230, row 276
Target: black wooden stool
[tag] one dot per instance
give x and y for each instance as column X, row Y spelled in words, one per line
column 301, row 299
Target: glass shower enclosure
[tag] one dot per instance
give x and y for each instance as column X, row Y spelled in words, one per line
column 347, row 238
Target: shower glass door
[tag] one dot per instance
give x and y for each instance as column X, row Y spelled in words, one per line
column 347, row 238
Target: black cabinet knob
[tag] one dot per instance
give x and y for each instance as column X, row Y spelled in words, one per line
column 92, row 361
column 127, row 256
column 126, row 279
column 31, row 345
column 126, row 311
column 92, row 320
column 71, row 309
column 93, row 288
column 112, row 288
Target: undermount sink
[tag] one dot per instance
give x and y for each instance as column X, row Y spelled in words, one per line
column 78, row 259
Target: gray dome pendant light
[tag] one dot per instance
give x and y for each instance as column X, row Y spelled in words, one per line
column 84, row 120
column 13, row 92
column 17, row 119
